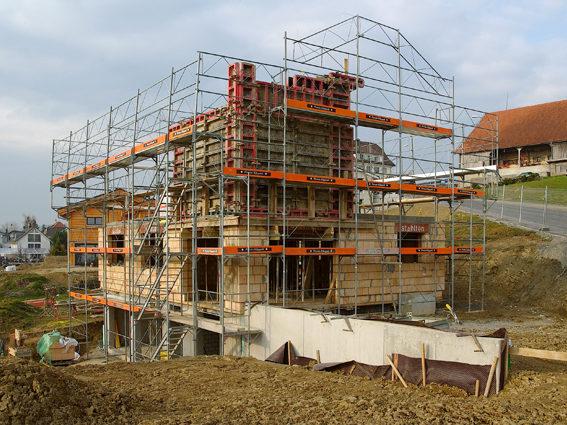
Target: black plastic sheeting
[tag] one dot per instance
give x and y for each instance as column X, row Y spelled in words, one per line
column 357, row 369
column 281, row 356
column 455, row 374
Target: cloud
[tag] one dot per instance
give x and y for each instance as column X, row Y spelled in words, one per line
column 64, row 62
column 24, row 126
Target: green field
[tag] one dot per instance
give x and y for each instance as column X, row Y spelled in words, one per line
column 534, row 191
column 554, row 182
column 14, row 288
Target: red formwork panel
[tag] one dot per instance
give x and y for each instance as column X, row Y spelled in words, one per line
column 349, row 79
column 243, row 93
column 298, row 213
column 308, row 83
column 242, row 71
column 241, row 129
column 335, row 201
column 295, row 94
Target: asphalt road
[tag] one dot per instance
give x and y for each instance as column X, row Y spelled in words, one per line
column 531, row 214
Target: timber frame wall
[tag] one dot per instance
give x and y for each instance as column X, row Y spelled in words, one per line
column 244, row 177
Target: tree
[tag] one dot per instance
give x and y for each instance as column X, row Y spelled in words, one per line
column 59, row 240
column 29, row 222
column 9, row 226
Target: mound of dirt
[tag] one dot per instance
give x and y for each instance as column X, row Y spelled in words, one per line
column 523, row 271
column 34, row 393
column 54, row 262
column 219, row 390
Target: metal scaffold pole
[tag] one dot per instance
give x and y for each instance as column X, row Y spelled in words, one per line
column 272, row 185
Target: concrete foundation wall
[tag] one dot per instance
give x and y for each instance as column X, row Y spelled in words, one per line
column 369, row 342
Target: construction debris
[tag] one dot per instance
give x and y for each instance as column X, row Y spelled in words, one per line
column 16, row 346
column 56, row 349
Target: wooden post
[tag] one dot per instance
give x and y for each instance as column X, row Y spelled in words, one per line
column 423, row 364
column 506, row 358
column 396, row 371
column 318, row 357
column 330, row 291
column 490, row 377
column 308, row 274
column 273, row 198
column 343, row 203
column 116, row 336
column 311, row 202
column 539, row 354
column 206, row 200
column 289, row 353
column 477, row 388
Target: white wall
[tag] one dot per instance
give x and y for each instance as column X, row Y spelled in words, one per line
column 542, row 170
column 369, row 342
column 22, row 243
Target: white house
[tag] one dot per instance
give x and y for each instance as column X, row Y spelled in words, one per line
column 376, row 165
column 32, row 245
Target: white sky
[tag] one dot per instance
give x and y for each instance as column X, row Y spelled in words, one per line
column 63, row 62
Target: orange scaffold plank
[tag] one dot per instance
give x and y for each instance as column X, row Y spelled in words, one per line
column 320, row 251
column 275, row 249
column 232, row 250
column 323, row 111
column 258, row 174
column 121, row 159
column 419, row 251
column 95, row 250
column 366, row 119
column 102, row 301
column 306, row 179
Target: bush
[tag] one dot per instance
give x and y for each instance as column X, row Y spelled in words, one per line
column 530, row 178
column 59, row 240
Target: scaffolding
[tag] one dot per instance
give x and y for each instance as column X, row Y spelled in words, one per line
column 233, row 182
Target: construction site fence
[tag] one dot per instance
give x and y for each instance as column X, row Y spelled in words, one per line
column 533, row 195
column 541, row 208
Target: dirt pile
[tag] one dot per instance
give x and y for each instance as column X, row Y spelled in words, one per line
column 52, row 268
column 215, row 390
column 218, row 390
column 522, row 271
column 54, row 262
column 34, row 393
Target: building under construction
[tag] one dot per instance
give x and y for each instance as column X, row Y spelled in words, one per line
column 233, row 186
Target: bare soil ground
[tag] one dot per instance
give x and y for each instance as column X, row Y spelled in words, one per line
column 53, row 268
column 525, row 293
column 222, row 390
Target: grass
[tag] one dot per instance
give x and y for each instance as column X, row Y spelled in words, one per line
column 15, row 288
column 534, row 191
column 16, row 314
column 553, row 182
column 28, row 286
column 493, row 229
